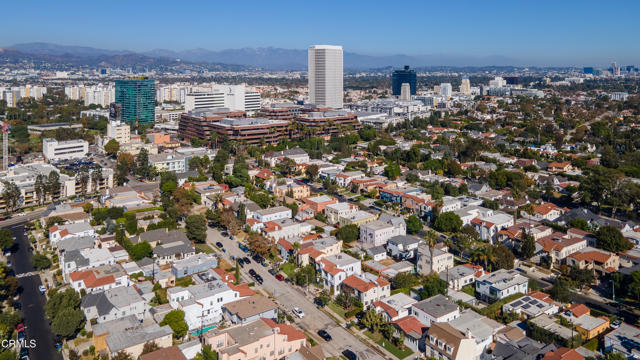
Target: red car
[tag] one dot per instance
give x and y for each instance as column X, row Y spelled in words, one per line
column 20, row 327
column 280, row 277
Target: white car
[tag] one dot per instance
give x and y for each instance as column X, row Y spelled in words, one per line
column 43, row 289
column 298, row 312
column 22, row 214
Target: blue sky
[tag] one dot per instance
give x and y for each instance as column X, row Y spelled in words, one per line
column 537, row 32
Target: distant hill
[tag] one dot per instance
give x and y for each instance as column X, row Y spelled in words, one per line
column 264, row 57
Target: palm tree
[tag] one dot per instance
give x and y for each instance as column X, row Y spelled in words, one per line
column 96, row 177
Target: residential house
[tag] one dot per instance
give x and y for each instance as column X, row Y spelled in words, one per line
column 194, row 264
column 345, row 178
column 524, row 348
column 489, row 226
column 160, row 236
column 558, row 246
column 318, row 203
column 273, row 213
column 262, row 339
column 434, row 259
column 293, row 190
column 285, row 229
column 435, row 309
column 114, row 304
column 377, row 253
column 168, row 253
column 468, row 213
column 588, row 326
column 378, row 232
column 99, row 278
column 416, row 203
column 395, row 306
column 563, row 354
column 545, row 211
column 169, row 353
column 532, row 305
column 413, row 331
column 357, row 218
column 478, row 327
column 61, row 232
column 366, row 287
column 559, row 167
column 335, row 269
column 598, row 260
column 296, row 154
column 460, row 276
column 78, row 260
column 500, row 284
column 333, row 212
column 445, row 342
column 132, row 339
column 312, row 251
column 250, row 309
column 202, row 303
column 403, row 247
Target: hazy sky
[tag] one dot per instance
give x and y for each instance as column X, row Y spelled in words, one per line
column 552, row 32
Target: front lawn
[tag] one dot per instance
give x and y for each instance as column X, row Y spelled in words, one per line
column 397, row 352
column 288, row 268
column 336, row 309
column 204, row 248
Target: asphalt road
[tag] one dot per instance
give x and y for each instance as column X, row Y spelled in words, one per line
column 31, row 300
column 289, row 296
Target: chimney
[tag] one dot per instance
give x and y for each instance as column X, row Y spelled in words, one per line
column 468, row 334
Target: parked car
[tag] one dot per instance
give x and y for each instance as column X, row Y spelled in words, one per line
column 279, row 277
column 298, row 312
column 246, row 260
column 43, row 289
column 324, row 334
column 259, row 279
column 252, row 272
column 21, row 335
column 20, row 327
column 350, row 355
column 272, row 272
column 616, row 324
column 219, row 244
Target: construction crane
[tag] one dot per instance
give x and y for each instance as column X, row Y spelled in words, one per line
column 5, row 145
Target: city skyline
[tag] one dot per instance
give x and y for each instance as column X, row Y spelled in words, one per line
column 531, row 33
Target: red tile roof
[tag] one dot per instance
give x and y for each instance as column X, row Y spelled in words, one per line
column 291, row 332
column 388, row 309
column 363, row 286
column 579, row 309
column 409, row 324
column 563, row 354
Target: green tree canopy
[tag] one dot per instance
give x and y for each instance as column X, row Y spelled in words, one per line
column 112, row 147
column 610, row 238
column 175, row 320
column 448, row 222
column 348, row 233
column 414, row 224
column 6, row 239
column 196, row 226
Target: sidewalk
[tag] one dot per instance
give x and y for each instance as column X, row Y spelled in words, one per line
column 360, row 334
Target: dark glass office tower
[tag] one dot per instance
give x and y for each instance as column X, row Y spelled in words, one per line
column 137, row 99
column 400, row 77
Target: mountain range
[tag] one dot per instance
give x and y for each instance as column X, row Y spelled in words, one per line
column 264, row 57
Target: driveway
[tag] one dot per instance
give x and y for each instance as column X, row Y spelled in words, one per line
column 288, row 296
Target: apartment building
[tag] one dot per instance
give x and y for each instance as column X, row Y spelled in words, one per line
column 358, row 218
column 336, row 268
column 114, row 304
column 318, row 203
column 335, row 211
column 203, row 100
column 120, row 131
column 378, row 232
column 272, row 214
column 261, row 339
column 202, row 304
column 445, row 342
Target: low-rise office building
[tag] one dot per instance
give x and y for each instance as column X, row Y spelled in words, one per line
column 54, row 150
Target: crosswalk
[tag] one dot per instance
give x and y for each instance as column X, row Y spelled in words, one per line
column 32, row 273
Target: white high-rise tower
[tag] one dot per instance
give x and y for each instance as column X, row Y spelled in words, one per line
column 325, row 75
